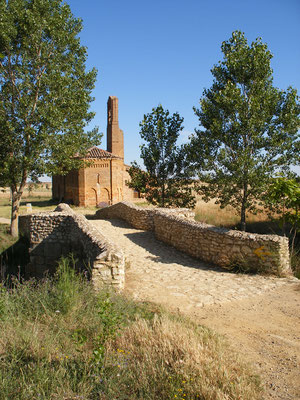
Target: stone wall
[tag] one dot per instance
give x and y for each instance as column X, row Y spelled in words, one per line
column 223, row 247
column 139, row 217
column 55, row 234
column 220, row 246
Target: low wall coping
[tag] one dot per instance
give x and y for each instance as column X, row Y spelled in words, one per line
column 221, row 230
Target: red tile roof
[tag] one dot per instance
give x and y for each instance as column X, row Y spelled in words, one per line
column 95, row 152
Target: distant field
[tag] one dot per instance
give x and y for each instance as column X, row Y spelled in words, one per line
column 212, row 214
column 40, row 198
column 42, row 189
column 39, row 204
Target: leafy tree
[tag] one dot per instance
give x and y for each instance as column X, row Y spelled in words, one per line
column 164, row 182
column 248, row 128
column 31, row 186
column 139, row 178
column 45, row 93
column 283, row 199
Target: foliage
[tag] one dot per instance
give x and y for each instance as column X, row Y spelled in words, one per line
column 111, row 322
column 67, row 286
column 139, row 178
column 283, row 200
column 248, row 128
column 45, row 93
column 48, row 348
column 31, row 186
column 164, row 183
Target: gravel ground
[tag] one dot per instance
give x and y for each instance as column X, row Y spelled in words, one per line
column 259, row 316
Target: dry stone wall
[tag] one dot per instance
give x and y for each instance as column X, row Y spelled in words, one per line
column 220, row 246
column 55, row 234
column 223, row 247
column 139, row 217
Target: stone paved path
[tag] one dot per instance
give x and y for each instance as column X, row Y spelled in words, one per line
column 160, row 273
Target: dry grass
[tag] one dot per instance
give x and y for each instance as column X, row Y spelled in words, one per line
column 61, row 340
column 174, row 359
column 212, row 214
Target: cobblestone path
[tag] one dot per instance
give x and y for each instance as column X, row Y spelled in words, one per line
column 260, row 322
column 160, row 273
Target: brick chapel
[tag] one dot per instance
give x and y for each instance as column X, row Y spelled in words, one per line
column 103, row 181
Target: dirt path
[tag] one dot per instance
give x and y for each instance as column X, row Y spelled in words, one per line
column 266, row 331
column 260, row 316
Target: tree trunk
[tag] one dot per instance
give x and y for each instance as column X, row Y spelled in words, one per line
column 283, row 220
column 243, row 209
column 15, row 204
column 243, row 219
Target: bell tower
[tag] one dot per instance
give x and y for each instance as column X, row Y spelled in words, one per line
column 115, row 138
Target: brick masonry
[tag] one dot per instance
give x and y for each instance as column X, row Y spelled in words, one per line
column 103, row 179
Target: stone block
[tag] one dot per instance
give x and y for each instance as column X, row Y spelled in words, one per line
column 37, row 251
column 37, row 260
column 115, row 271
column 52, row 250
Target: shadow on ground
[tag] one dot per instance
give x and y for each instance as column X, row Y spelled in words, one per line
column 40, row 203
column 161, row 252
column 13, row 261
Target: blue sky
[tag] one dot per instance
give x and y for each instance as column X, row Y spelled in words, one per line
column 151, row 52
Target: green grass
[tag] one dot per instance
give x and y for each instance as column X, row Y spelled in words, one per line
column 39, row 204
column 6, row 240
column 62, row 340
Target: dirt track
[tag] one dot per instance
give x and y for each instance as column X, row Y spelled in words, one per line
column 266, row 330
column 259, row 316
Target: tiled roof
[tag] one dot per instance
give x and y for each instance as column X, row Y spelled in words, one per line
column 95, row 152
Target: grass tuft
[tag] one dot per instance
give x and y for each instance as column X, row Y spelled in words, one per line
column 62, row 340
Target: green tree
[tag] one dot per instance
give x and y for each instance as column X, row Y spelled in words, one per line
column 31, row 186
column 283, row 199
column 45, row 93
column 139, row 178
column 248, row 128
column 164, row 182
